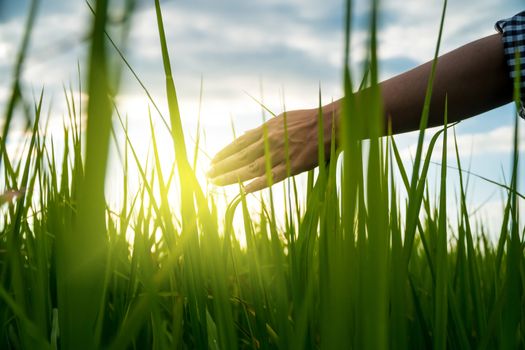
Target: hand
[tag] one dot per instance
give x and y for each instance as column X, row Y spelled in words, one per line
column 244, row 158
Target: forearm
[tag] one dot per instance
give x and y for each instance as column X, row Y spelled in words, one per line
column 473, row 77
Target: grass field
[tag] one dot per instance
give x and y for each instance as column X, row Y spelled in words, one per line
column 351, row 266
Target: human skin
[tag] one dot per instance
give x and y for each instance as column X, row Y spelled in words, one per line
column 473, row 79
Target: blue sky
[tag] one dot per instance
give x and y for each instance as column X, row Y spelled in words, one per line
column 287, row 47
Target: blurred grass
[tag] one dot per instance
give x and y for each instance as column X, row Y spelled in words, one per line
column 346, row 270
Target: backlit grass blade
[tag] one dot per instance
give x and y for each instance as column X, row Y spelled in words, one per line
column 398, row 323
column 514, row 289
column 198, row 132
column 441, row 291
column 140, row 168
column 31, row 329
column 163, row 190
column 83, row 253
column 344, row 264
column 320, row 140
column 414, row 206
column 376, row 263
column 173, row 105
column 14, row 237
column 130, row 68
column 472, row 265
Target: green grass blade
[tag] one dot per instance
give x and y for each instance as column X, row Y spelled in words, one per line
column 441, row 291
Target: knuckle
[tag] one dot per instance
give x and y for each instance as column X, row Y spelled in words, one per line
column 238, row 142
column 279, row 174
column 242, row 155
column 256, row 168
column 253, row 168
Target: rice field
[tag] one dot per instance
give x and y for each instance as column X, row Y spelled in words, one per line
column 350, row 266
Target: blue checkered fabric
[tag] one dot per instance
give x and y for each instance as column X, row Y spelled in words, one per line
column 513, row 30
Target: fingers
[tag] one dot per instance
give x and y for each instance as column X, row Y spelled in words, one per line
column 238, row 144
column 237, row 160
column 229, row 172
column 245, row 158
column 244, row 173
column 278, row 174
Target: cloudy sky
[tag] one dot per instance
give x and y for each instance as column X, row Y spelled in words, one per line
column 266, row 48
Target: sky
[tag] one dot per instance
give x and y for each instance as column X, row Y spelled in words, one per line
column 278, row 51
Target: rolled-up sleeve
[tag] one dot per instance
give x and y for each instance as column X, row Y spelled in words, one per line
column 513, row 35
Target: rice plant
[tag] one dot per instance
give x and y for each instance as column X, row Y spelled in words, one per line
column 352, row 266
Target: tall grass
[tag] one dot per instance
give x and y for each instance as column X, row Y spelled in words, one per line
column 346, row 270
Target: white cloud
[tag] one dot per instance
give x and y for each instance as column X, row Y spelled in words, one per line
column 411, row 27
column 495, row 142
column 10, row 35
column 5, row 49
column 4, row 93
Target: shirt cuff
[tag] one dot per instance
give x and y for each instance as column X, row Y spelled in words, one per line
column 513, row 36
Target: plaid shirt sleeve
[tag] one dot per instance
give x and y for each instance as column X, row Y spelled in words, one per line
column 513, row 30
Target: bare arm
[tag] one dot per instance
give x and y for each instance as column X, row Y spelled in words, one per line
column 474, row 77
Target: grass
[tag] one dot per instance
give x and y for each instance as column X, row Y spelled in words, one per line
column 346, row 269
